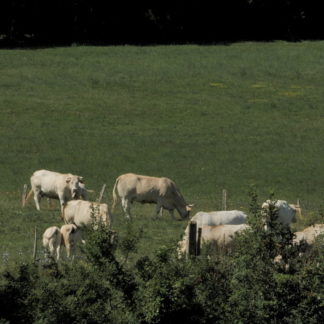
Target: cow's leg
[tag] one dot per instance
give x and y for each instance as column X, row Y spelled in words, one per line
column 62, row 202
column 73, row 250
column 68, row 249
column 158, row 210
column 51, row 249
column 171, row 211
column 37, row 198
column 58, row 249
column 126, row 207
column 161, row 212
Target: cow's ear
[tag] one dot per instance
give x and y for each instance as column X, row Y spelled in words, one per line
column 80, row 179
column 68, row 179
column 189, row 207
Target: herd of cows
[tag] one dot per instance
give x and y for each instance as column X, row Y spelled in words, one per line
column 218, row 226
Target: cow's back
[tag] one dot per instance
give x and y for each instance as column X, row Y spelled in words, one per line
column 126, row 184
column 83, row 213
column 215, row 218
column 48, row 182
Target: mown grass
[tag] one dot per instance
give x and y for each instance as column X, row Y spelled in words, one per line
column 208, row 117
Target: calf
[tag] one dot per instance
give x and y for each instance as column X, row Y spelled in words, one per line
column 52, row 241
column 71, row 236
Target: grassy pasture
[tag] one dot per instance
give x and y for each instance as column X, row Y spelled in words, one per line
column 208, row 117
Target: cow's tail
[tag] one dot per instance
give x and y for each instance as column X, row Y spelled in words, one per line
column 27, row 197
column 115, row 195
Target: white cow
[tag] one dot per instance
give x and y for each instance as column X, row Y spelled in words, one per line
column 71, row 236
column 286, row 213
column 55, row 185
column 144, row 189
column 309, row 234
column 222, row 235
column 52, row 241
column 219, row 217
column 80, row 213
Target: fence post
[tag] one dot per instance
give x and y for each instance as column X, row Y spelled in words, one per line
column 24, row 194
column 198, row 248
column 35, row 246
column 224, row 194
column 102, row 192
column 192, row 244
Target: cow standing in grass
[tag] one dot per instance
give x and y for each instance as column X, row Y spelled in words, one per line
column 84, row 213
column 63, row 187
column 52, row 241
column 144, row 189
column 71, row 236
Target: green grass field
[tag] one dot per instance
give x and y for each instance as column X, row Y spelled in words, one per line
column 208, row 117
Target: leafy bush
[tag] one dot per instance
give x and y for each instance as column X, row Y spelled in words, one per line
column 240, row 285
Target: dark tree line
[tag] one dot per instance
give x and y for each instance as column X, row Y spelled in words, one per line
column 36, row 22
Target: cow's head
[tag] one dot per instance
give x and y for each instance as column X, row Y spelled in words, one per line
column 74, row 184
column 188, row 209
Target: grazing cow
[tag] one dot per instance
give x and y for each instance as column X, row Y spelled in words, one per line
column 286, row 213
column 160, row 191
column 219, row 217
column 71, row 236
column 52, row 241
column 222, row 235
column 55, row 185
column 81, row 213
column 309, row 234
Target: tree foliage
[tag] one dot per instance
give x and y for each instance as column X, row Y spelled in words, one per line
column 28, row 22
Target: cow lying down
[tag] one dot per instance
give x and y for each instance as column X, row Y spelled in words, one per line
column 221, row 235
column 309, row 234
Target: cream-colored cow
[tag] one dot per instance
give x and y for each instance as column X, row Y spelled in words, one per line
column 71, row 236
column 63, row 187
column 52, row 241
column 309, row 234
column 222, row 235
column 286, row 212
column 163, row 192
column 83, row 213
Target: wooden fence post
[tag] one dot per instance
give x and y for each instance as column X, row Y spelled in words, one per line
column 102, row 192
column 224, row 194
column 24, row 194
column 192, row 244
column 198, row 248
column 35, row 246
